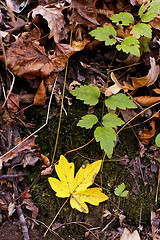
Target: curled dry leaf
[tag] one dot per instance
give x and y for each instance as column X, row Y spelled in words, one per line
column 47, row 171
column 150, row 78
column 148, row 134
column 147, row 100
column 127, row 235
column 40, row 96
column 117, row 86
column 45, row 160
column 55, row 20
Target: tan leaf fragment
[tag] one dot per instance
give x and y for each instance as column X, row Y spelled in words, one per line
column 127, row 235
column 150, row 78
column 114, row 89
column 40, row 96
column 55, row 20
column 147, row 100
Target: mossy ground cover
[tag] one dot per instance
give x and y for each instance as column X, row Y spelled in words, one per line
column 113, row 173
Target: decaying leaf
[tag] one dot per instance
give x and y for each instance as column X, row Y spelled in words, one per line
column 114, row 89
column 155, row 221
column 40, row 96
column 148, row 134
column 147, row 100
column 150, row 78
column 55, row 20
column 77, row 188
column 29, row 59
column 127, row 235
column 27, row 147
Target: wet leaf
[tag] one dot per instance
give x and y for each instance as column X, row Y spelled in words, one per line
column 76, row 188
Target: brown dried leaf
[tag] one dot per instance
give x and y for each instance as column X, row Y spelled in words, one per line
column 155, row 221
column 55, row 20
column 117, row 86
column 13, row 103
column 47, row 171
column 29, row 144
column 148, row 134
column 155, row 23
column 45, row 160
column 40, row 96
column 147, row 100
column 157, row 90
column 85, row 13
column 150, row 78
column 30, row 206
column 29, row 59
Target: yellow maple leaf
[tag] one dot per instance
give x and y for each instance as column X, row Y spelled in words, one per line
column 76, row 187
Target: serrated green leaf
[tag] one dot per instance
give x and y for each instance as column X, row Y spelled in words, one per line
column 111, row 120
column 142, row 29
column 149, row 11
column 130, row 45
column 157, row 140
column 119, row 191
column 121, row 101
column 123, row 18
column 88, row 94
column 106, row 137
column 105, row 33
column 88, row 121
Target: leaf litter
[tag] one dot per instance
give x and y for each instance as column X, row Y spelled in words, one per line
column 35, row 50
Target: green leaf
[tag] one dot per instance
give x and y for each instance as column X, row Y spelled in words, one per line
column 142, row 29
column 106, row 137
column 130, row 45
column 111, row 120
column 144, row 47
column 157, row 140
column 88, row 121
column 119, row 191
column 88, row 94
column 123, row 18
column 149, row 11
column 105, row 33
column 121, row 101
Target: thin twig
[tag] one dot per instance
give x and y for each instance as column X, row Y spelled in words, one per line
column 55, row 217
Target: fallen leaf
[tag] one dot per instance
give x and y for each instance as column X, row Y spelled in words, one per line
column 40, row 96
column 55, row 20
column 147, row 100
column 148, row 134
column 29, row 145
column 76, row 188
column 85, row 13
column 150, row 78
column 45, row 160
column 127, row 235
column 47, row 171
column 29, row 59
column 31, row 207
column 114, row 89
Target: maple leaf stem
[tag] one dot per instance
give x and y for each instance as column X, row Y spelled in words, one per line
column 56, row 216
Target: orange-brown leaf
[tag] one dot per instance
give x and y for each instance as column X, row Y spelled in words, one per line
column 147, row 100
column 40, row 97
column 148, row 134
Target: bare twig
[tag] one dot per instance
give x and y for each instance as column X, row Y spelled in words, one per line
column 22, row 222
column 6, row 176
